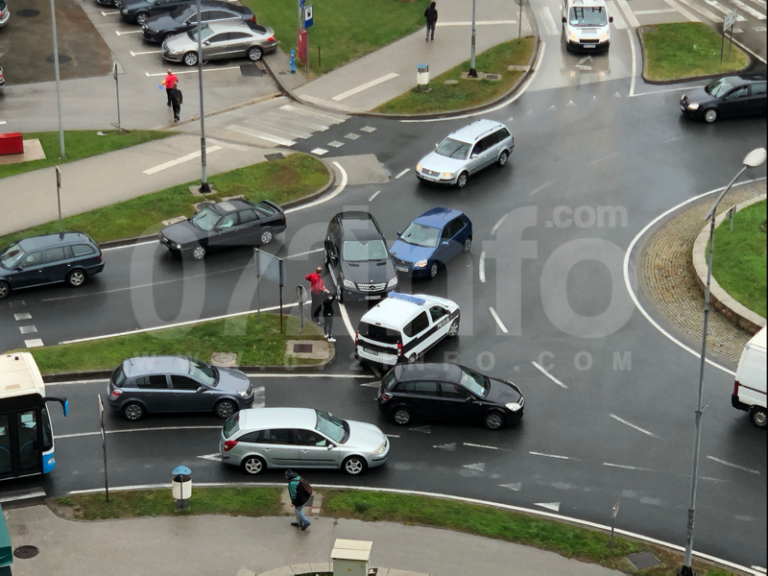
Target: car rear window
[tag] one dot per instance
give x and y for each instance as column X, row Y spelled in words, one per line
column 82, row 250
column 232, row 425
column 379, row 333
column 118, row 377
column 389, row 380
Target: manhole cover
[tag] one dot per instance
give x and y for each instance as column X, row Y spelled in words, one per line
column 26, row 552
column 275, row 157
column 251, row 70
column 302, row 348
column 643, row 560
column 493, row 76
column 27, row 13
column 63, row 59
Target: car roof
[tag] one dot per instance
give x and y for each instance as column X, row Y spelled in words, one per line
column 156, row 364
column 264, row 418
column 229, row 206
column 228, row 26
column 396, row 307
column 358, row 225
column 411, row 372
column 742, row 79
column 53, row 240
column 438, row 216
column 476, row 130
column 587, row 3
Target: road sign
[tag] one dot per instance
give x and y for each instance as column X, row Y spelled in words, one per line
column 308, row 21
column 729, row 20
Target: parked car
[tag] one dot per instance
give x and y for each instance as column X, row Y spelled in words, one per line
column 137, row 11
column 431, row 241
column 222, row 40
column 448, row 392
column 2, row 79
column 300, row 438
column 162, row 26
column 5, row 13
column 466, row 152
column 749, row 387
column 357, row 257
column 731, row 96
column 176, row 384
column 225, row 224
column 69, row 257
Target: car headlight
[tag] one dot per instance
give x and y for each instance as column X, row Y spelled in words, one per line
column 514, row 406
column 349, row 284
column 178, row 246
column 604, row 36
column 243, row 393
column 573, row 36
column 448, row 174
column 125, row 11
column 693, row 105
column 421, row 264
column 392, row 283
column 418, row 167
column 380, row 450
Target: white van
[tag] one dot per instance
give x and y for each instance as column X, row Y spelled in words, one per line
column 749, row 387
column 586, row 26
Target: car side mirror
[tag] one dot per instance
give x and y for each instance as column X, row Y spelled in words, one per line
column 207, row 42
column 437, row 145
column 610, row 18
column 445, row 243
column 469, row 399
column 564, row 20
column 19, row 269
column 473, row 155
column 399, row 233
column 331, row 446
column 201, row 389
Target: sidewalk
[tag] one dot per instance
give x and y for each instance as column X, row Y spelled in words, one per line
column 240, row 546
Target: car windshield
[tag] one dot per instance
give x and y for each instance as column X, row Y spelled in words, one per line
column 420, row 235
column 364, row 250
column 719, row 87
column 589, row 16
column 11, row 256
column 453, row 149
column 335, row 428
column 204, row 373
column 206, row 219
column 205, row 31
column 474, row 382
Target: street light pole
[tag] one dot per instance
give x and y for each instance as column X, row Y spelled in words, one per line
column 58, row 79
column 752, row 160
column 472, row 71
column 204, row 187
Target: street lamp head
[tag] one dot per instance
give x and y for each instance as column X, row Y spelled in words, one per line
column 755, row 158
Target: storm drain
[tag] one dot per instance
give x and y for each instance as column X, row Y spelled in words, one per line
column 643, row 560
column 251, row 70
column 26, row 552
column 27, row 13
column 493, row 76
column 63, row 59
column 275, row 157
column 302, row 348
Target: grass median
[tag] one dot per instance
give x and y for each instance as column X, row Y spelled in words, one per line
column 461, row 92
column 739, row 262
column 343, row 30
column 687, row 50
column 79, row 144
column 279, row 180
column 256, row 341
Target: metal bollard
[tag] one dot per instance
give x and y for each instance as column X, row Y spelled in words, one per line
column 293, row 62
column 301, row 296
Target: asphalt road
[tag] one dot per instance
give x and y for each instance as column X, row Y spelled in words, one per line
column 592, row 166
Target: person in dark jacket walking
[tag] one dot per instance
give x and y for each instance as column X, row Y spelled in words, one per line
column 328, row 313
column 431, row 15
column 176, row 100
column 298, row 499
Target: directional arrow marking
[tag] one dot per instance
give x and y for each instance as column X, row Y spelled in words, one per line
column 570, row 104
column 211, row 457
column 480, row 466
column 554, row 506
column 422, row 429
column 449, row 447
column 516, row 486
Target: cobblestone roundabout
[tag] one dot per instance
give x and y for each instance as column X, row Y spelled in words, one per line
column 669, row 279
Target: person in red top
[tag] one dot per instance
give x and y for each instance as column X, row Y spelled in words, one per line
column 318, row 290
column 170, row 81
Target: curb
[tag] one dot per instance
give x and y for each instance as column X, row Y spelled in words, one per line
column 639, row 32
column 219, row 111
column 734, row 311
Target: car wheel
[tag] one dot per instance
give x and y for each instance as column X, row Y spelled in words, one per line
column 402, row 416
column 453, row 331
column 255, row 53
column 199, row 252
column 225, row 408
column 503, row 157
column 133, row 411
column 493, row 421
column 266, row 237
column 468, row 244
column 76, row 278
column 434, row 269
column 412, row 359
column 462, row 180
column 711, row 116
column 141, row 17
column 354, row 465
column 190, row 58
column 253, row 465
column 758, row 416
column 5, row 290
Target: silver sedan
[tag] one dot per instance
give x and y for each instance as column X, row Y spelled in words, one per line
column 221, row 40
column 262, row 438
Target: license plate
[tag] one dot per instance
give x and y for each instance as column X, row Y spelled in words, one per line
column 401, row 268
column 590, row 45
column 430, row 178
column 371, row 352
column 372, row 298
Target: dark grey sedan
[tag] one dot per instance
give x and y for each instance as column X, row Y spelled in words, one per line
column 177, row 384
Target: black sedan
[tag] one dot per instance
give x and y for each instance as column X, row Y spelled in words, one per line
column 448, row 392
column 163, row 26
column 730, row 96
column 226, row 224
column 138, row 11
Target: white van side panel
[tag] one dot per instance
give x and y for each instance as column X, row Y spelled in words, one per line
column 751, row 376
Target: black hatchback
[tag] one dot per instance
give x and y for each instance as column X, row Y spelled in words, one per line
column 137, row 11
column 162, row 26
column 730, row 96
column 69, row 257
column 448, row 392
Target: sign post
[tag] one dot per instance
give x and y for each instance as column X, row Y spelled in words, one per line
column 282, row 283
column 308, row 21
column 614, row 513
column 728, row 22
column 103, row 445
column 58, row 194
column 520, row 3
column 117, row 92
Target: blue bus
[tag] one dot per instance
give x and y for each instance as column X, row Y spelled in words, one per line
column 26, row 433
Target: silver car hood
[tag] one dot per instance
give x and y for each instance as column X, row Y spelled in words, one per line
column 180, row 42
column 364, row 437
column 439, row 163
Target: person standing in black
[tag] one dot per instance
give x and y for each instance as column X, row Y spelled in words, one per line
column 176, row 100
column 431, row 15
column 328, row 313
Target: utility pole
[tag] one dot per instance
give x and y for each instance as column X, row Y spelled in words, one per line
column 472, row 71
column 204, row 187
column 58, row 78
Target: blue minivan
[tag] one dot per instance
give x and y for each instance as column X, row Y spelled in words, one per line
column 431, row 241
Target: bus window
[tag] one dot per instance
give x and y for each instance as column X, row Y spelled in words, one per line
column 29, row 452
column 6, row 466
column 47, row 432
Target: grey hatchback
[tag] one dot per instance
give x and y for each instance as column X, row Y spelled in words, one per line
column 176, row 384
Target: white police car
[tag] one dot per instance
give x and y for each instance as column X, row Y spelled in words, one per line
column 401, row 328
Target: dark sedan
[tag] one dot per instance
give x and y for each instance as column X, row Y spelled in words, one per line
column 163, row 26
column 226, row 224
column 138, row 11
column 448, row 392
column 730, row 96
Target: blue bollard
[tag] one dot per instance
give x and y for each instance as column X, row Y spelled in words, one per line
column 293, row 62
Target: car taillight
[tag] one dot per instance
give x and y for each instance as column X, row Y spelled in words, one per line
column 101, row 257
column 271, row 39
column 357, row 337
column 736, row 387
column 229, row 444
column 399, row 348
column 386, row 397
column 117, row 392
column 253, row 19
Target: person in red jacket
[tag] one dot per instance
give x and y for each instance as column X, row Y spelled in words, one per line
column 318, row 290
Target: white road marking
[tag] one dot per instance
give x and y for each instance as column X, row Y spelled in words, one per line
column 177, row 161
column 761, row 3
column 335, row 144
column 31, row 329
column 510, row 119
column 643, row 430
column 682, row 11
column 403, row 173
column 633, row 77
column 633, row 22
column 481, row 267
column 548, row 21
column 480, row 466
column 499, row 223
column 540, row 188
column 498, row 321
column 124, row 33
column 756, row 29
column 374, row 195
column 392, row 435
column 750, row 470
column 352, row 136
column 549, row 455
column 261, row 135
column 339, row 189
column 110, row 13
column 301, row 375
column 323, row 115
column 447, row 447
column 515, row 486
column 549, row 505
column 665, row 91
column 759, row 569
column 423, row 429
column 22, row 316
column 319, row 151
column 749, row 10
column 480, row 446
column 34, row 343
column 129, row 246
column 159, row 429
column 674, row 139
column 366, row 86
column 134, row 54
column 374, row 384
column 755, row 55
column 726, row 11
column 368, row 129
column 259, row 397
column 625, row 467
column 605, row 157
column 650, row 12
column 618, row 21
column 477, row 23
column 2, row 122
column 177, row 72
column 701, row 10
column 541, row 369
column 315, row 251
column 347, row 322
column 35, row 494
column 211, row 457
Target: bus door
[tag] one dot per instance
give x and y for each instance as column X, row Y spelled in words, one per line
column 21, row 440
